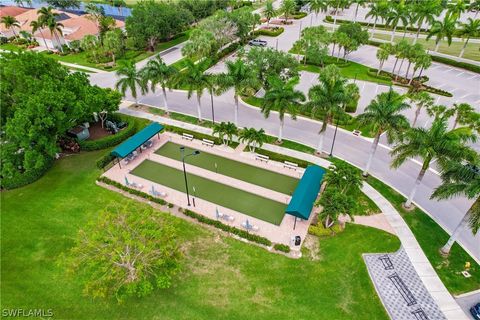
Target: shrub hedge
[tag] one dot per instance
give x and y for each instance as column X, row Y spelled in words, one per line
column 21, row 180
column 269, row 33
column 281, row 247
column 299, row 15
column 320, row 231
column 104, row 161
column 217, row 224
column 110, row 140
column 132, row 191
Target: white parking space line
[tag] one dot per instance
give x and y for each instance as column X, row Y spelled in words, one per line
column 458, row 75
column 464, row 96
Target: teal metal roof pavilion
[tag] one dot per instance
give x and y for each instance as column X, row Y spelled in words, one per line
column 137, row 140
column 304, row 196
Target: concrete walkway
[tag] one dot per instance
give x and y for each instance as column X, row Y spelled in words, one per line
column 424, row 269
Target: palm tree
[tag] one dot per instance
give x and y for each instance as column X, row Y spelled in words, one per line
column 425, row 11
column 37, row 26
column 56, row 30
column 468, row 30
column 287, row 8
column 377, row 10
column 455, row 9
column 422, row 99
column 396, row 15
column 461, row 179
column 282, row 97
column 384, row 115
column 159, row 73
column 383, row 53
column 443, row 29
column 254, row 138
column 436, row 142
column 423, row 61
column 10, row 23
column 241, row 78
column 120, row 4
column 318, row 6
column 462, row 112
column 400, row 50
column 194, row 79
column 413, row 53
column 45, row 17
column 129, row 79
column 359, row 3
column 269, row 11
column 225, row 131
column 326, row 99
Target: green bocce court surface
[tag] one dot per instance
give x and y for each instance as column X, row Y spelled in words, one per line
column 215, row 192
column 238, row 170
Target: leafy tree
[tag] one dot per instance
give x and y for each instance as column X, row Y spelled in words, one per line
column 461, row 179
column 463, row 113
column 91, row 45
column 282, row 97
column 201, row 44
column 159, row 73
column 468, row 30
column 39, row 101
column 384, row 115
column 443, row 29
column 352, row 36
column 422, row 99
column 268, row 62
column 202, row 9
column 151, row 22
column 94, row 12
column 334, row 203
column 130, row 79
column 113, row 43
column 313, row 44
column 11, row 23
column 239, row 77
column 383, row 53
column 287, row 8
column 269, row 11
column 254, row 138
column 64, row 4
column 342, row 177
column 436, row 142
column 326, row 99
column 125, row 252
column 194, row 79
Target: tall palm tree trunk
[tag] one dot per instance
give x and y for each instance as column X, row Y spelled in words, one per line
column 408, row 203
column 459, row 229
column 437, row 45
column 43, row 37
column 418, row 33
column 417, row 113
column 380, row 67
column 235, row 113
column 413, row 76
column 356, row 12
column 165, row 102
column 393, row 33
column 199, row 107
column 374, row 26
column 335, row 16
column 321, row 135
column 372, row 154
column 394, row 66
column 408, row 68
column 463, row 48
column 280, row 130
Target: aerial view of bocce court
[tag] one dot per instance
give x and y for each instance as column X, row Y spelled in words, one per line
column 240, row 159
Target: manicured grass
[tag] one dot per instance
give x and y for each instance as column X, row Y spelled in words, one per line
column 220, row 277
column 215, row 192
column 471, row 51
column 238, row 170
column 10, row 47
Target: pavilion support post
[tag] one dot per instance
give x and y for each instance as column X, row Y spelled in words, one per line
column 295, row 223
column 119, row 163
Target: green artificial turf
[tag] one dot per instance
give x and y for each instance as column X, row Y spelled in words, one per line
column 238, row 170
column 221, row 194
column 220, row 278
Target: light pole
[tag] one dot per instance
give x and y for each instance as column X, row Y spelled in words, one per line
column 194, row 153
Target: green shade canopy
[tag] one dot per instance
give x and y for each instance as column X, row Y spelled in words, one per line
column 306, row 192
column 137, row 140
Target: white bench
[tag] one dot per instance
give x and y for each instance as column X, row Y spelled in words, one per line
column 356, row 132
column 261, row 157
column 187, row 136
column 207, row 142
column 290, row 165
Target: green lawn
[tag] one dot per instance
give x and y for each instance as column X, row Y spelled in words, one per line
column 220, row 278
column 471, row 51
column 238, row 170
column 218, row 193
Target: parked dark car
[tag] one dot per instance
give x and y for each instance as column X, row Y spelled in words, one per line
column 257, row 43
column 475, row 311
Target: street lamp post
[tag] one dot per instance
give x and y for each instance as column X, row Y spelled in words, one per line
column 194, row 153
